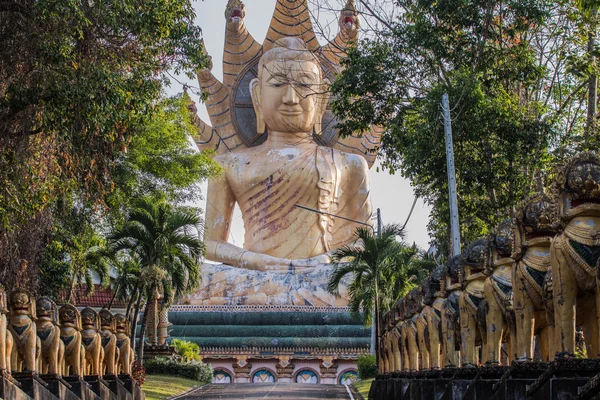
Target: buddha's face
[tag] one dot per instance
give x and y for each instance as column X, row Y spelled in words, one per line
column 290, row 95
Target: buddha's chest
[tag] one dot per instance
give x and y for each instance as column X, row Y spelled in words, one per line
column 269, row 173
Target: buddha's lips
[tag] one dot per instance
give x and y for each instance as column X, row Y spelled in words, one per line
column 349, row 20
column 236, row 13
column 290, row 113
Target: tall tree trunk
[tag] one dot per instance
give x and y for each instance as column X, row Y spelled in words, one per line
column 132, row 299
column 376, row 322
column 373, row 333
column 140, row 349
column 135, row 318
column 112, row 300
column 590, row 126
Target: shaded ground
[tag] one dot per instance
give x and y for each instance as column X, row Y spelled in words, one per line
column 291, row 391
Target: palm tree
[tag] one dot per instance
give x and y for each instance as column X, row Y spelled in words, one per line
column 165, row 240
column 127, row 270
column 87, row 257
column 379, row 266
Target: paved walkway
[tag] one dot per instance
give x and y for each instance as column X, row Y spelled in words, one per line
column 257, row 391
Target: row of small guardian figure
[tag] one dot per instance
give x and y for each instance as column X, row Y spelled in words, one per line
column 537, row 275
column 39, row 337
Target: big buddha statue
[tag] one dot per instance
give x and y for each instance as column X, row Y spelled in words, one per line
column 288, row 169
column 275, row 139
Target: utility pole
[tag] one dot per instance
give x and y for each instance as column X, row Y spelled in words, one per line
column 454, row 229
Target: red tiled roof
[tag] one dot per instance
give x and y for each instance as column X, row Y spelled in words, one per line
column 99, row 298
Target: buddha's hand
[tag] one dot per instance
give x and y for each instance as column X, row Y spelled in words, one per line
column 263, row 262
column 311, row 262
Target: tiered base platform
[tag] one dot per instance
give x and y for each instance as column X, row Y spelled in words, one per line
column 257, row 344
column 28, row 386
column 561, row 379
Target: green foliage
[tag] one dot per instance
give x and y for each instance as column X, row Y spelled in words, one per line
column 367, row 366
column 78, row 81
column 512, row 98
column 165, row 241
column 188, row 351
column 75, row 252
column 381, row 270
column 195, row 370
column 159, row 161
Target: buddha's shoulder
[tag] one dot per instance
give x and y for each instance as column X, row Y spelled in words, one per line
column 352, row 161
column 240, row 156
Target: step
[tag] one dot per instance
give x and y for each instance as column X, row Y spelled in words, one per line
column 81, row 388
column 59, row 387
column 10, row 389
column 34, row 386
column 118, row 387
column 132, row 387
column 100, row 387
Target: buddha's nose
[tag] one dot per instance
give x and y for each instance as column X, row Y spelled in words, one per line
column 291, row 97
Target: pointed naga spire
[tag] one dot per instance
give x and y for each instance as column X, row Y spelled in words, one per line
column 349, row 25
column 240, row 46
column 221, row 136
column 291, row 18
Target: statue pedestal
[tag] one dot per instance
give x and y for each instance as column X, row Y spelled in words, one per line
column 34, row 386
column 100, row 387
column 131, row 386
column 10, row 389
column 117, row 386
column 563, row 378
column 59, row 387
column 80, row 387
column 226, row 285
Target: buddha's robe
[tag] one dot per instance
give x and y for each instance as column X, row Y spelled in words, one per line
column 267, row 183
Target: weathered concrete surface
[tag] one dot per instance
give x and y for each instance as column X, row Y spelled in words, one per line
column 226, row 285
column 291, row 391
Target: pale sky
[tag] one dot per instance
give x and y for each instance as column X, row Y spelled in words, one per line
column 391, row 193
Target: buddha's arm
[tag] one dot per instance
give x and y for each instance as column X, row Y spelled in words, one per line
column 355, row 204
column 219, row 210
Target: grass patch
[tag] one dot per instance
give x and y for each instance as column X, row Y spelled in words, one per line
column 363, row 387
column 158, row 387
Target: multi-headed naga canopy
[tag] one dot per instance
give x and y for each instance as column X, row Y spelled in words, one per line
column 229, row 103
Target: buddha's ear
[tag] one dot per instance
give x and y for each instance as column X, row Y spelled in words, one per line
column 322, row 101
column 255, row 94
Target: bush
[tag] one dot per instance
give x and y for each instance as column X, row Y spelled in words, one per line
column 189, row 351
column 195, row 370
column 367, row 366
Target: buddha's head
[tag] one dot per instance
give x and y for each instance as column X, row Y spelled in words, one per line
column 289, row 94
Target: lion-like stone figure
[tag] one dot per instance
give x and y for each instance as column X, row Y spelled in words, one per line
column 108, row 327
column 70, row 334
column 21, row 324
column 6, row 339
column 123, row 344
column 48, row 332
column 575, row 252
column 409, row 313
column 450, row 314
column 472, row 266
column 431, row 317
column 495, row 314
column 91, row 341
column 534, row 228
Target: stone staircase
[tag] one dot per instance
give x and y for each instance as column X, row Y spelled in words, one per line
column 28, row 386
